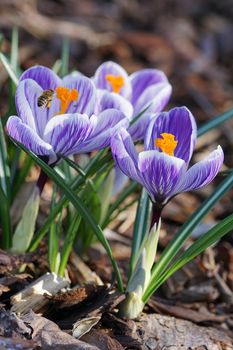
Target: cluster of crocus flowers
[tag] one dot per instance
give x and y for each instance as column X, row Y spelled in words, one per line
column 82, row 114
column 67, row 123
column 145, row 90
column 163, row 167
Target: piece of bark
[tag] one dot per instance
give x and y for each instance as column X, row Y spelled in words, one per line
column 11, row 326
column 157, row 332
column 94, row 305
column 50, row 337
column 83, row 273
column 185, row 313
column 32, row 297
column 103, row 341
column 17, row 344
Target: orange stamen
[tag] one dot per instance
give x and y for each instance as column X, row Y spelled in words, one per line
column 66, row 96
column 167, row 144
column 116, row 82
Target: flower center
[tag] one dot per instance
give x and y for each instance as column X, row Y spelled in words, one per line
column 66, row 96
column 116, row 82
column 167, row 143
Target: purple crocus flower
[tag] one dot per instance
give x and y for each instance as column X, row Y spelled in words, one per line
column 162, row 168
column 66, row 125
column 147, row 89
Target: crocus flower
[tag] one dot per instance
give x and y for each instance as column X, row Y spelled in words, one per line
column 146, row 89
column 162, row 168
column 67, row 124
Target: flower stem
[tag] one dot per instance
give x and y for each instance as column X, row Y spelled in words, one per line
column 156, row 214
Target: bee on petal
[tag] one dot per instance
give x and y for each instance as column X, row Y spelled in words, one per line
column 45, row 99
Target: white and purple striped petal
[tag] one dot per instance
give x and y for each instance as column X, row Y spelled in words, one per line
column 125, row 155
column 30, row 139
column 103, row 127
column 161, row 174
column 144, row 78
column 114, row 69
column 202, row 173
column 138, row 129
column 26, row 99
column 44, row 77
column 86, row 93
column 106, row 100
column 179, row 122
column 67, row 132
column 154, row 98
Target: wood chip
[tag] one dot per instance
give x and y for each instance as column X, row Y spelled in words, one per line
column 32, row 297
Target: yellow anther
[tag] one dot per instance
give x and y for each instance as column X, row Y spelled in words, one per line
column 116, row 82
column 167, row 144
column 66, row 96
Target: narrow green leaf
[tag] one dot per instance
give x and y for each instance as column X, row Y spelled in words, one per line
column 134, row 120
column 26, row 226
column 5, row 221
column 53, row 245
column 68, row 243
column 141, row 226
column 57, row 66
column 9, row 69
column 205, row 241
column 4, row 167
column 14, row 49
column 186, row 230
column 215, row 122
column 65, row 54
column 80, row 207
column 75, row 184
column 18, row 179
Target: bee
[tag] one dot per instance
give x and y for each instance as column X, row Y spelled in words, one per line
column 45, row 99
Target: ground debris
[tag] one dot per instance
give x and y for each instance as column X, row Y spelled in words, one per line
column 49, row 336
column 9, row 262
column 97, row 301
column 102, row 340
column 157, row 332
column 186, row 313
column 32, row 297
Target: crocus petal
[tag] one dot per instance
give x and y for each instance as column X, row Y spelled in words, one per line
column 144, row 78
column 66, row 132
column 120, row 180
column 26, row 99
column 29, row 138
column 203, row 172
column 161, row 174
column 106, row 100
column 104, row 126
column 114, row 69
column 154, row 98
column 86, row 93
column 44, row 77
column 125, row 155
column 138, row 129
column 178, row 121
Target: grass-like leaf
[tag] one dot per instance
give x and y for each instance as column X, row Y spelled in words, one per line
column 9, row 69
column 80, row 207
column 215, row 122
column 141, row 227
column 205, row 241
column 5, row 221
column 186, row 230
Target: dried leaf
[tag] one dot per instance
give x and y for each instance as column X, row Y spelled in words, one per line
column 84, row 326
